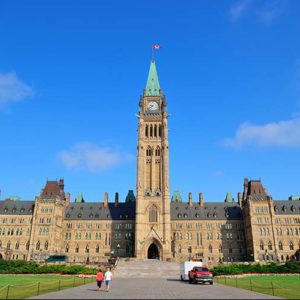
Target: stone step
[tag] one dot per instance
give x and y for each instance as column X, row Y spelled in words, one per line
column 147, row 269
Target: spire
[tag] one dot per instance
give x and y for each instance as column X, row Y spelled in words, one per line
column 152, row 87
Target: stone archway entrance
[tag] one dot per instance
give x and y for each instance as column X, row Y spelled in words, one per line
column 153, row 252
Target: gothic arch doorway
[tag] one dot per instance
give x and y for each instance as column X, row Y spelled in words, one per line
column 153, row 252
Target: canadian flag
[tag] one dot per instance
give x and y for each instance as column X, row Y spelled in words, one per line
column 156, row 46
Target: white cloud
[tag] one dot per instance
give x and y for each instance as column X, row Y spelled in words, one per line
column 271, row 11
column 238, row 9
column 91, row 158
column 12, row 89
column 280, row 134
column 218, row 173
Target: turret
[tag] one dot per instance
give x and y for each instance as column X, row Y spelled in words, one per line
column 105, row 199
column 201, row 201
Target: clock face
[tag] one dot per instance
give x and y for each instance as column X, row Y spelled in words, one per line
column 152, row 105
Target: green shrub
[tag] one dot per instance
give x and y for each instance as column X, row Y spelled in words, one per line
column 289, row 267
column 24, row 267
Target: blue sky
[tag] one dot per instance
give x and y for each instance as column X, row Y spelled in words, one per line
column 72, row 72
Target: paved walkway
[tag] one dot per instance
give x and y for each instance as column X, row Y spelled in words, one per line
column 152, row 279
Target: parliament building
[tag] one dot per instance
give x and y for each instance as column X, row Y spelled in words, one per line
column 150, row 223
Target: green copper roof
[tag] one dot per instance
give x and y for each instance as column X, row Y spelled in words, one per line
column 229, row 197
column 79, row 198
column 152, row 87
column 176, row 197
column 130, row 196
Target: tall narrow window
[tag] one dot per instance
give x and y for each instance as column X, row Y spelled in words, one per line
column 155, row 130
column 159, row 129
column 97, row 249
column 146, row 131
column 291, row 245
column 77, row 248
column 270, row 245
column 261, row 245
column 153, row 214
column 38, row 244
column 67, row 248
column 280, row 246
column 27, row 245
column 210, row 249
column 46, row 245
column 151, row 130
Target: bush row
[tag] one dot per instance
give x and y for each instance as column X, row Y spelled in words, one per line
column 289, row 267
column 24, row 267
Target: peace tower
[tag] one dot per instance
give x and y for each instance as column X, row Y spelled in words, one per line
column 153, row 226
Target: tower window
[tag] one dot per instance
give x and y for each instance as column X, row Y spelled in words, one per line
column 153, row 214
column 155, row 130
column 146, row 131
column 151, row 131
column 159, row 130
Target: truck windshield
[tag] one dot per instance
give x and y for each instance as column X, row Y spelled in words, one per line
column 200, row 269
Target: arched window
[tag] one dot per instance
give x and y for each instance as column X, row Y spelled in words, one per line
column 148, row 151
column 146, row 131
column 210, row 249
column 38, row 245
column 155, row 130
column 153, row 214
column 157, row 151
column 77, row 248
column 270, row 245
column 291, row 245
column 87, row 248
column 151, row 131
column 46, row 245
column 8, row 245
column 280, row 246
column 261, row 245
column 97, row 249
column 220, row 249
column 27, row 245
column 17, row 246
column 67, row 248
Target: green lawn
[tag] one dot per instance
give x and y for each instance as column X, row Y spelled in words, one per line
column 282, row 286
column 24, row 286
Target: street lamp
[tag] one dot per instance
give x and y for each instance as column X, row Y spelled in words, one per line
column 118, row 247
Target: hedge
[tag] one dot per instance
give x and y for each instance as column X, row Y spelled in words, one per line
column 289, row 267
column 24, row 267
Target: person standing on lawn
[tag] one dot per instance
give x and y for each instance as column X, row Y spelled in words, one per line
column 108, row 277
column 99, row 278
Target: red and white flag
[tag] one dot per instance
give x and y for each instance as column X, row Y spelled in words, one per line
column 156, row 47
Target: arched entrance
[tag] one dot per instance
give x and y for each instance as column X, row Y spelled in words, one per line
column 153, row 252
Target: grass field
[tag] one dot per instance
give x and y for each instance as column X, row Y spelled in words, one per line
column 24, row 286
column 282, row 286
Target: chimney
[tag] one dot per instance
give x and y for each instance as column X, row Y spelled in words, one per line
column 68, row 198
column 240, row 199
column 116, row 199
column 201, row 202
column 190, row 199
column 61, row 184
column 105, row 199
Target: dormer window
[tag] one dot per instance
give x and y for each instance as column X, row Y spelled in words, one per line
column 91, row 216
column 284, row 208
column 96, row 215
column 79, row 215
column 293, row 208
column 197, row 215
column 179, row 216
column 275, row 208
column 185, row 216
column 68, row 215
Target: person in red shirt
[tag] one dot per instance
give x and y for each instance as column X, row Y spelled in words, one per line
column 99, row 278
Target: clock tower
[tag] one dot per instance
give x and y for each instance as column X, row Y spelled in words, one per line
column 153, row 227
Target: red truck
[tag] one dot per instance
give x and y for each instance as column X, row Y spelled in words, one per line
column 200, row 274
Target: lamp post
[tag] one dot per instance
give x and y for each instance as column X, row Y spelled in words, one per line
column 118, row 247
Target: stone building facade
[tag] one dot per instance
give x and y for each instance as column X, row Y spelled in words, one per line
column 150, row 224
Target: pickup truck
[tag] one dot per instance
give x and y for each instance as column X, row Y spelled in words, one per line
column 200, row 274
